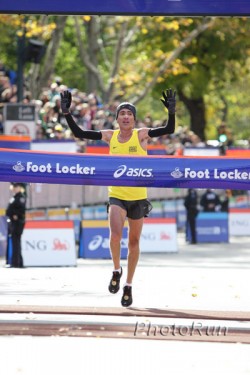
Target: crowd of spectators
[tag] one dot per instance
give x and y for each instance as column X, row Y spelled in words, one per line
column 89, row 112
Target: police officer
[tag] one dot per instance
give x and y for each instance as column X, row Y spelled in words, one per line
column 191, row 205
column 210, row 201
column 15, row 213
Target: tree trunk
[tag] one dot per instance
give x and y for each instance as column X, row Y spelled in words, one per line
column 89, row 56
column 40, row 77
column 197, row 111
column 92, row 31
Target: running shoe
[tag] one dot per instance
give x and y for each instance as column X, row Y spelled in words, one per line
column 127, row 296
column 114, row 284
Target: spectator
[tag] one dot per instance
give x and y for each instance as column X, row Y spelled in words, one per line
column 59, row 132
column 84, row 116
column 53, row 91
column 109, row 122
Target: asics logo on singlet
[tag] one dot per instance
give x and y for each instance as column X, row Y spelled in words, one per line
column 132, row 172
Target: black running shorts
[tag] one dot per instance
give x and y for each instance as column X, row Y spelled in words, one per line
column 135, row 209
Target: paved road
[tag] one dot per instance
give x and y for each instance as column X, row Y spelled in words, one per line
column 203, row 277
column 205, row 284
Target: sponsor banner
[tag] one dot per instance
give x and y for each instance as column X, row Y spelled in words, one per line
column 49, row 243
column 212, row 227
column 3, row 235
column 158, row 235
column 94, row 240
column 20, row 142
column 149, row 171
column 131, row 7
column 239, row 222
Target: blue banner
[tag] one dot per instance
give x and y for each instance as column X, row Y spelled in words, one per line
column 129, row 7
column 94, row 243
column 212, row 227
column 104, row 170
column 15, row 145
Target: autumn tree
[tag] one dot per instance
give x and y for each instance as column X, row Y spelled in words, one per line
column 213, row 62
column 130, row 57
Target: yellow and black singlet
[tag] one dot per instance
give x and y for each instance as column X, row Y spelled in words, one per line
column 131, row 147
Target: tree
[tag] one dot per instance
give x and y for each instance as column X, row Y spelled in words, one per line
column 115, row 81
column 40, row 74
column 220, row 58
column 16, row 28
column 128, row 57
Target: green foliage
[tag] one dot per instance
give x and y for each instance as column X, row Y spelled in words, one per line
column 215, row 66
column 8, row 45
column 68, row 66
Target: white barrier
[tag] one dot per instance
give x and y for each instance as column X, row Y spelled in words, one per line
column 49, row 243
column 239, row 222
column 159, row 235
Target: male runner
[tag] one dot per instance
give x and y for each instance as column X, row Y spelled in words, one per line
column 125, row 202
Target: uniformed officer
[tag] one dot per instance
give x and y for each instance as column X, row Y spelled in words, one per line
column 15, row 214
column 191, row 205
column 210, row 201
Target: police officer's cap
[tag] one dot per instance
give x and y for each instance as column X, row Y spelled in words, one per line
column 15, row 184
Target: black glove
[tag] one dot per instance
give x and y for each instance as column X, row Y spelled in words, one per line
column 169, row 100
column 65, row 101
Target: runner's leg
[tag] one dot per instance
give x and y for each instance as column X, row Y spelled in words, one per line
column 134, row 234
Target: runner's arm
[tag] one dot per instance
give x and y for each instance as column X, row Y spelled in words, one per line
column 169, row 102
column 168, row 129
column 79, row 133
column 76, row 130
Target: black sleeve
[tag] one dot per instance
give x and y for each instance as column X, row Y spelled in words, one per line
column 168, row 129
column 79, row 133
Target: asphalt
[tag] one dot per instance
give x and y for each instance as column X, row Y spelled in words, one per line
column 201, row 285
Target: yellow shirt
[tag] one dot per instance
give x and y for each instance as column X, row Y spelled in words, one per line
column 131, row 147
